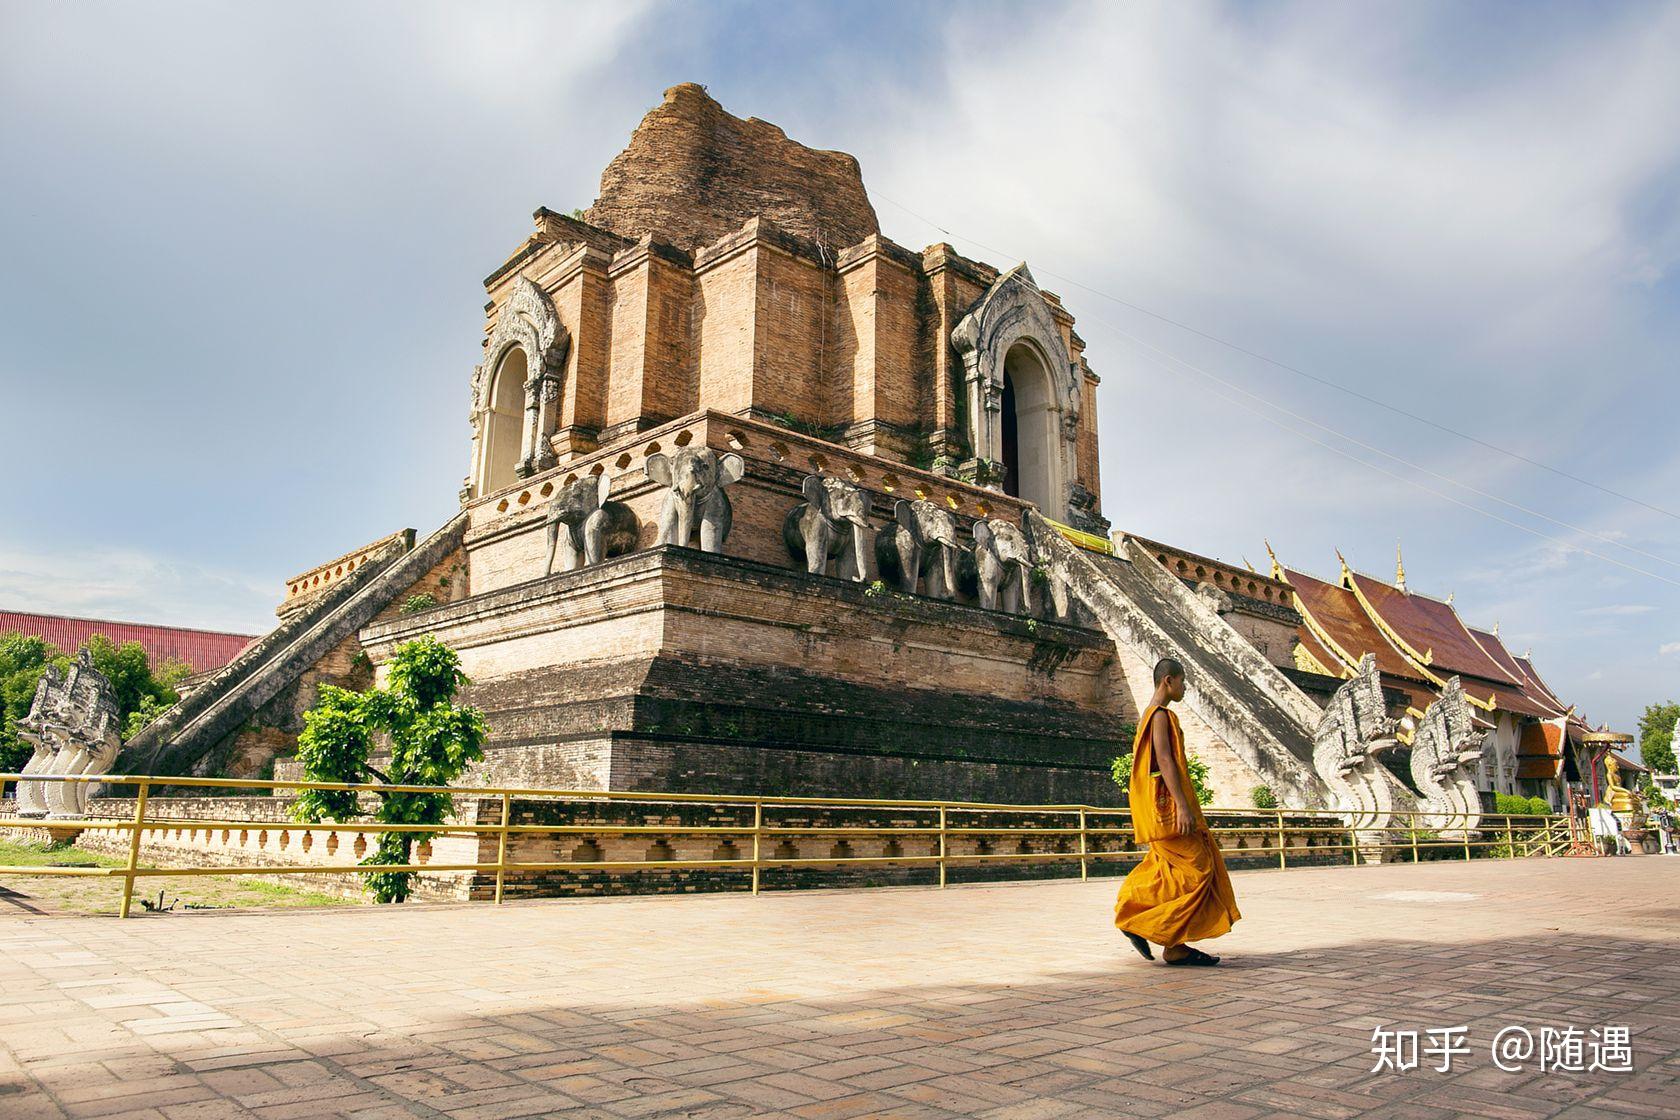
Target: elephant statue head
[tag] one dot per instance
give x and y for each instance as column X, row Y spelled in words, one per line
column 697, row 477
column 923, row 541
column 1044, row 558
column 1003, row 559
column 832, row 523
column 585, row 528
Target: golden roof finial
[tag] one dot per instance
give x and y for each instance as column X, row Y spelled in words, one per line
column 1450, row 595
column 1347, row 573
column 1277, row 569
column 1496, row 628
column 1399, row 568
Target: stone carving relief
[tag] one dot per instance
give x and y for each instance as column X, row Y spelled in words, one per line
column 74, row 728
column 1445, row 751
column 1355, row 731
column 922, row 542
column 698, row 500
column 1003, row 561
column 585, row 528
column 528, row 322
column 832, row 525
column 1012, row 311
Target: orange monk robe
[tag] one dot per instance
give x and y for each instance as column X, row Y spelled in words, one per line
column 1180, row 891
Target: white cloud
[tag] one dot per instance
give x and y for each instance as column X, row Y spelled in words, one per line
column 130, row 586
column 1668, row 647
column 1619, row 609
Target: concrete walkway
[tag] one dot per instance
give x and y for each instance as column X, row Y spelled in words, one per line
column 1015, row 1001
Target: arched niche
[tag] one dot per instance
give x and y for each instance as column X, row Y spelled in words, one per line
column 523, row 369
column 503, row 423
column 1031, row 425
column 1012, row 348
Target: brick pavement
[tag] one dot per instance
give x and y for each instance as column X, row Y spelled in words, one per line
column 1015, row 1002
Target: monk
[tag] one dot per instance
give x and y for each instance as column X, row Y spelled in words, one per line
column 1180, row 891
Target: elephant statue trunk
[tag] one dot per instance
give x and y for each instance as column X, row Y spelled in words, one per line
column 832, row 524
column 583, row 527
column 697, row 478
column 1003, row 559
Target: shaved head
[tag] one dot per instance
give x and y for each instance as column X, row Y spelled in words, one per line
column 1167, row 667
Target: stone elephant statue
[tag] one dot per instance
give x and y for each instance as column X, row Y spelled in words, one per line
column 922, row 542
column 585, row 528
column 832, row 523
column 698, row 478
column 1060, row 605
column 1004, row 562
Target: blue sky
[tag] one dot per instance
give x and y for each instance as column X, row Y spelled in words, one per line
column 240, row 291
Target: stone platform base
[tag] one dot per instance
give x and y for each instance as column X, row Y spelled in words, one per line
column 675, row 670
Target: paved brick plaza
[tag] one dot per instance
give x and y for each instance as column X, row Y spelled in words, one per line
column 1004, row 1001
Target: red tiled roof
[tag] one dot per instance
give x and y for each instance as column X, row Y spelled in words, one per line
column 1430, row 626
column 202, row 649
column 1346, row 624
column 1538, row 694
column 1538, row 688
column 1318, row 651
column 1511, row 699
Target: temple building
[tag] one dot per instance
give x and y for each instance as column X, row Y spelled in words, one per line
column 1533, row 740
column 758, row 501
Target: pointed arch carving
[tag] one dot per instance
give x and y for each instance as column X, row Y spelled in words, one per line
column 527, row 322
column 1013, row 313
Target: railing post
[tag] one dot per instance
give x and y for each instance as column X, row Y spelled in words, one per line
column 942, row 846
column 758, row 830
column 134, row 847
column 1412, row 827
column 1467, row 841
column 1084, row 872
column 1283, row 844
column 1510, row 840
column 1353, row 845
column 501, row 846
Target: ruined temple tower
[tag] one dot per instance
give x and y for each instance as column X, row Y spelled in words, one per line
column 729, row 301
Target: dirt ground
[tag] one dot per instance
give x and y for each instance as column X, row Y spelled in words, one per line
column 64, row 894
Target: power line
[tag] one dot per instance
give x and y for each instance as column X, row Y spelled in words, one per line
column 1569, row 545
column 1520, row 508
column 1286, row 367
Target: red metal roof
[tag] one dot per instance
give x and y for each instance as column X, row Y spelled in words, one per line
column 202, row 649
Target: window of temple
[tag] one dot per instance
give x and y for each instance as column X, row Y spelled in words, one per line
column 1029, row 437
column 502, row 424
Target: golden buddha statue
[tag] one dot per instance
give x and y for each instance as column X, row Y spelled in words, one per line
column 1619, row 798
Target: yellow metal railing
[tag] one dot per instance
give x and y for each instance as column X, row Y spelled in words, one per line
column 1411, row 833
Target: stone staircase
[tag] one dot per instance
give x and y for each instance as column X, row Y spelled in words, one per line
column 185, row 739
column 1246, row 700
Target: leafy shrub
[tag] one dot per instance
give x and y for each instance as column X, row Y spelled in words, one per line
column 1263, row 797
column 431, row 742
column 414, row 604
column 1121, row 771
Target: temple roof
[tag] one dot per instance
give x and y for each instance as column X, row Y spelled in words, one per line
column 1335, row 621
column 1419, row 642
column 1429, row 631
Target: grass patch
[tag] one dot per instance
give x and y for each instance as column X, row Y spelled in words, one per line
column 79, row 894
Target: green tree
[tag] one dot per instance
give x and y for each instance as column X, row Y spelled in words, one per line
column 1656, row 732
column 431, row 741
column 1122, row 773
column 142, row 692
column 23, row 658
